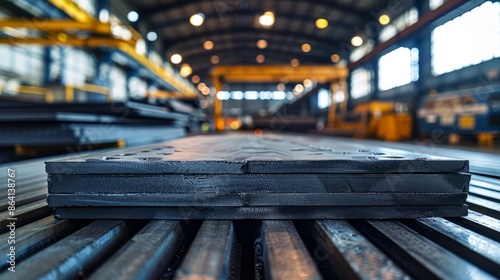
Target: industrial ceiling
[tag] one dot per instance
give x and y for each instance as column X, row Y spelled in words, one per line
column 231, row 31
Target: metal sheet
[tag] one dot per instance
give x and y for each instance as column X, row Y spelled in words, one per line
column 255, row 199
column 243, row 154
column 237, row 213
column 254, row 183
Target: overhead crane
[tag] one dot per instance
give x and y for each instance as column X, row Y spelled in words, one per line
column 97, row 34
column 275, row 73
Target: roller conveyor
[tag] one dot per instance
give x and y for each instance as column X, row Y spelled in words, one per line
column 451, row 248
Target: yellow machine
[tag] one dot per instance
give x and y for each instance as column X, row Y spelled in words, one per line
column 374, row 119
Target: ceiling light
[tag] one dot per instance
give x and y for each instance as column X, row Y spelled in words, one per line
column 295, row 62
column 208, row 45
column 140, row 47
column 266, row 19
column 132, row 16
column 201, row 86
column 384, row 19
column 176, row 58
column 321, row 23
column 151, row 36
column 186, row 70
column 299, row 88
column 306, row 47
column 335, row 58
column 357, row 41
column 260, row 58
column 280, row 86
column 197, row 19
column 307, row 83
column 104, row 15
column 205, row 91
column 215, row 59
column 262, row 44
column 195, row 79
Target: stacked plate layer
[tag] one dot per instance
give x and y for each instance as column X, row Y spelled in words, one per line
column 248, row 177
column 135, row 123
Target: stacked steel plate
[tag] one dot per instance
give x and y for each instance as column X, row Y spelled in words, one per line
column 248, row 177
column 135, row 123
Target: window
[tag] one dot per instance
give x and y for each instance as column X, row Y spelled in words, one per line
column 361, row 82
column 361, row 51
column 78, row 66
column 399, row 24
column 434, row 4
column 24, row 62
column 323, row 98
column 467, row 40
column 87, row 5
column 138, row 87
column 397, row 68
column 118, row 80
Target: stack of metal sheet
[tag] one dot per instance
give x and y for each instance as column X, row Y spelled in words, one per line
column 247, row 177
column 88, row 124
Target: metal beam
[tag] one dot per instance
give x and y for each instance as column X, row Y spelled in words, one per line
column 208, row 34
column 268, row 53
column 58, row 25
column 274, row 73
column 230, row 6
column 423, row 21
column 118, row 44
column 221, row 40
column 72, row 10
column 290, row 16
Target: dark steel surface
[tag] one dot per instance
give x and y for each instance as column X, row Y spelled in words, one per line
column 260, row 183
column 244, row 154
column 77, row 254
column 258, row 175
column 352, row 254
column 412, row 248
column 482, row 251
column 284, row 254
column 214, row 254
column 281, row 212
column 337, row 249
column 255, row 199
column 146, row 254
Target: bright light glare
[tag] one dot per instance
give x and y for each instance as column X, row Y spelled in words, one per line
column 197, row 19
column 132, row 16
column 384, row 19
column 323, row 98
column 321, row 23
column 267, row 19
column 176, row 58
column 151, row 36
column 237, row 95
column 357, row 41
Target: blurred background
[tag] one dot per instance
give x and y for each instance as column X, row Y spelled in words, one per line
column 80, row 75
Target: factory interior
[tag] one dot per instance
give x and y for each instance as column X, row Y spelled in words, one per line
column 250, row 139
